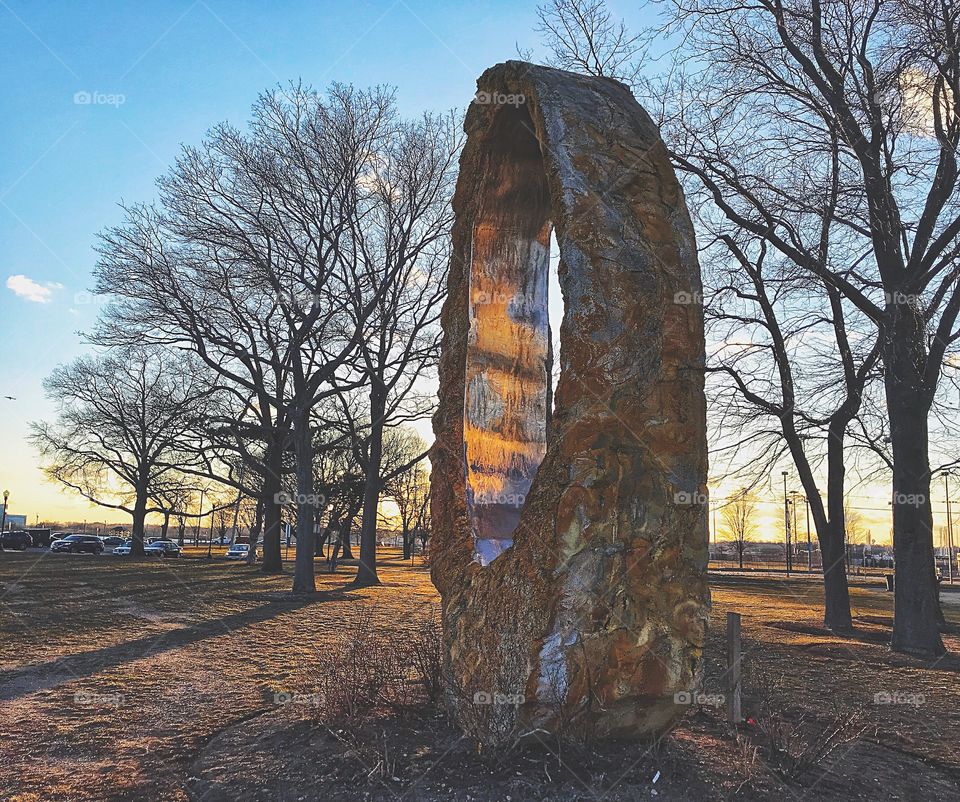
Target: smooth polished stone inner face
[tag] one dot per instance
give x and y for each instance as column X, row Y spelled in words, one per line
column 508, row 351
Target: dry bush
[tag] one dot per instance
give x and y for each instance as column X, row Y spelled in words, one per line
column 362, row 673
column 425, row 656
column 795, row 743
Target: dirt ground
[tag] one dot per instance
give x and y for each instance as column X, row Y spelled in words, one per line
column 190, row 680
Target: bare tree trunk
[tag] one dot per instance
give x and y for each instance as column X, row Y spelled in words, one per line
column 407, row 542
column 367, row 570
column 139, row 519
column 346, row 552
column 272, row 558
column 166, row 525
column 255, row 533
column 303, row 572
column 916, row 606
column 320, row 548
column 831, row 535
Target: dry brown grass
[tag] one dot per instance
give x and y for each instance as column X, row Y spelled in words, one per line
column 117, row 676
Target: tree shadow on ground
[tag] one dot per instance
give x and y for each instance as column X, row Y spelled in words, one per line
column 48, row 675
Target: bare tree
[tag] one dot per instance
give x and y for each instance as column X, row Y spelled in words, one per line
column 410, row 489
column 789, row 376
column 251, row 262
column 120, row 419
column 862, row 94
column 583, row 36
column 738, row 518
column 404, row 243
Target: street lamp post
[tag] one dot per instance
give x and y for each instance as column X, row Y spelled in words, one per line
column 809, row 545
column 3, row 520
column 946, row 492
column 793, row 523
column 786, row 519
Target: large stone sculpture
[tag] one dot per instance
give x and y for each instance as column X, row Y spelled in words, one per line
column 570, row 544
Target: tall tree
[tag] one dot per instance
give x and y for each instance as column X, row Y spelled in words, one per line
column 862, row 91
column 121, row 417
column 871, row 85
column 250, row 260
column 738, row 518
column 788, row 362
column 404, row 243
column 410, row 491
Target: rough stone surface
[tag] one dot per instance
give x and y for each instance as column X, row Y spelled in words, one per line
column 569, row 546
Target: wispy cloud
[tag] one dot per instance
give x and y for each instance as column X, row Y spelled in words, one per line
column 31, row 290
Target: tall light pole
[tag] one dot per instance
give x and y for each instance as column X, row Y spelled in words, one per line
column 809, row 545
column 786, row 519
column 794, row 495
column 3, row 520
column 946, row 492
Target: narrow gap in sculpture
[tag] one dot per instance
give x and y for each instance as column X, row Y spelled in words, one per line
column 555, row 314
column 507, row 386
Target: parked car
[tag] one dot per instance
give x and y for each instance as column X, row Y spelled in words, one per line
column 112, row 541
column 162, row 548
column 78, row 544
column 124, row 548
column 238, row 551
column 16, row 540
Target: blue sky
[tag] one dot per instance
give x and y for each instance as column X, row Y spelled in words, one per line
column 158, row 75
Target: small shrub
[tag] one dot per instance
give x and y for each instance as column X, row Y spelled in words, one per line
column 425, row 654
column 361, row 674
column 794, row 744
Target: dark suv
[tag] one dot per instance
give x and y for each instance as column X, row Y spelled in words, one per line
column 77, row 544
column 16, row 540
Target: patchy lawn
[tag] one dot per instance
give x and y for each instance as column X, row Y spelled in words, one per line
column 160, row 680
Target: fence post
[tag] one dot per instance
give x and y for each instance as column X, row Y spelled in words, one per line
column 735, row 698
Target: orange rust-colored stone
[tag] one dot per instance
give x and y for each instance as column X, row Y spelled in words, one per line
column 570, row 547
